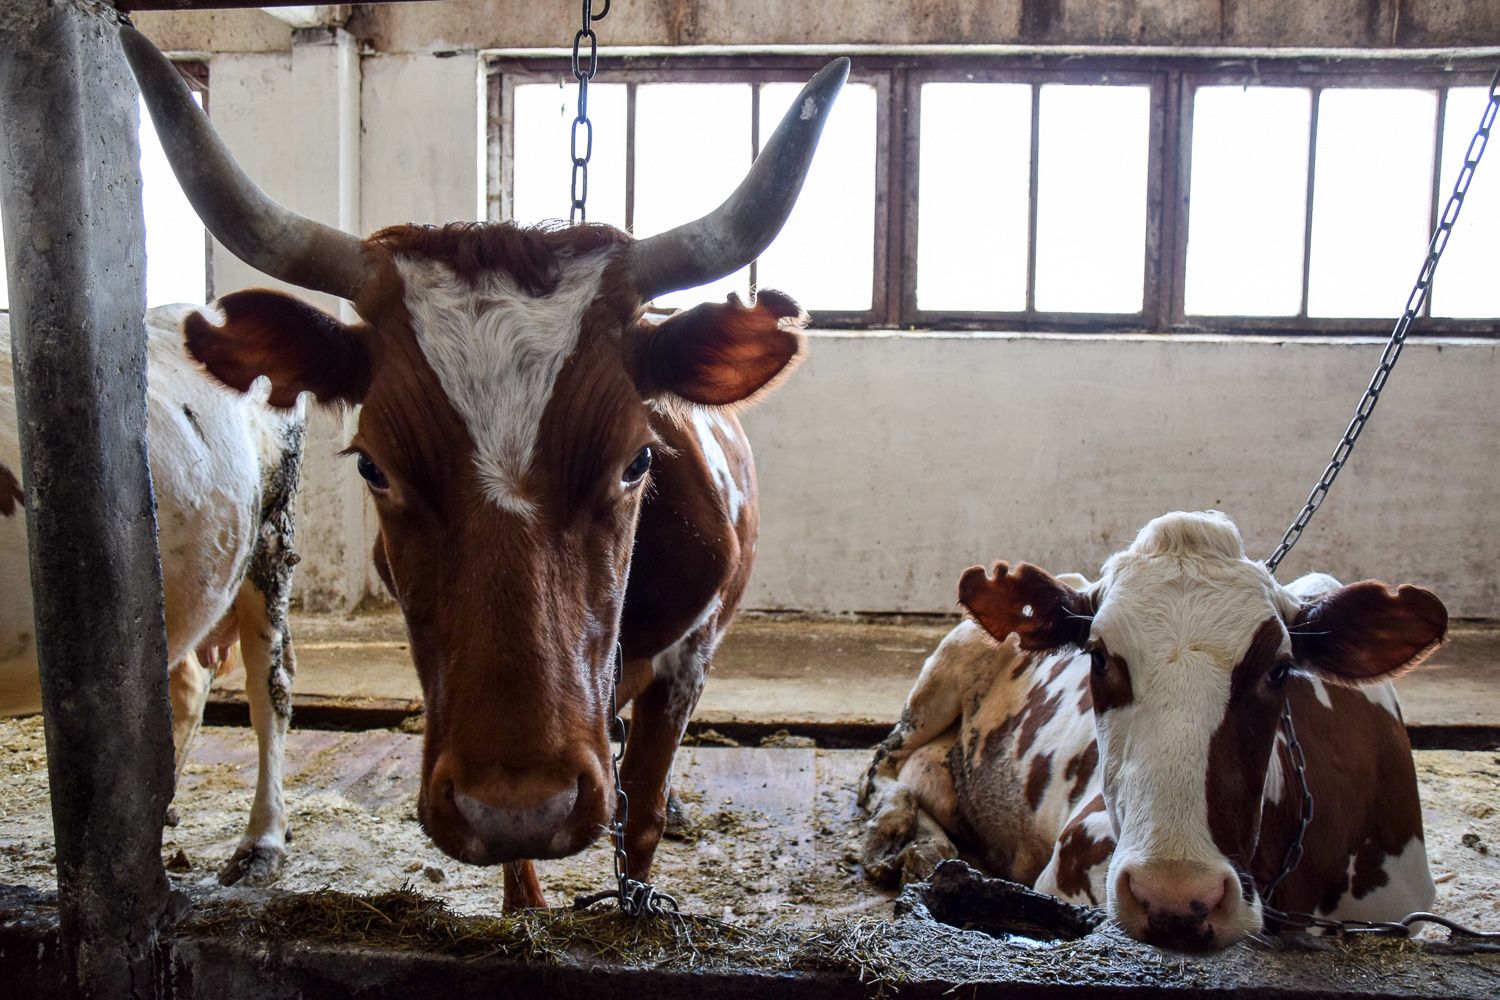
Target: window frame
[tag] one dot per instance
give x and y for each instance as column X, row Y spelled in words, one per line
column 898, row 76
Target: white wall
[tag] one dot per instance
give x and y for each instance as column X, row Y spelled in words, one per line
column 889, row 463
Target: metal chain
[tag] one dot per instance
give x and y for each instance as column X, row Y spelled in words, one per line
column 635, row 898
column 1293, row 856
column 580, row 189
column 1403, row 325
column 1298, row 920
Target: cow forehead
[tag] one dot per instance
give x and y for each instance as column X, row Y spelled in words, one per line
column 1162, row 609
column 497, row 350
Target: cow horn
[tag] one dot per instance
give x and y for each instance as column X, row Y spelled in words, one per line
column 254, row 227
column 736, row 232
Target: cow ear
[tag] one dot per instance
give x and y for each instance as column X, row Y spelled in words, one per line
column 1363, row 632
column 1041, row 611
column 298, row 346
column 720, row 353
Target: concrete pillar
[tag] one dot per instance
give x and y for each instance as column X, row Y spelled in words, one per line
column 74, row 237
column 293, row 122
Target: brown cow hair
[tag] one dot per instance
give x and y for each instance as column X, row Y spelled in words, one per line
column 1059, row 616
column 1363, row 633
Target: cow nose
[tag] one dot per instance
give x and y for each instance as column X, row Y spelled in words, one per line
column 1177, row 904
column 540, row 831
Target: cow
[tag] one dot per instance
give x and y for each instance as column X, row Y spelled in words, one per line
column 1118, row 742
column 559, row 481
column 224, row 469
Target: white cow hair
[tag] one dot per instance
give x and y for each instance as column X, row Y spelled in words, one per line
column 497, row 352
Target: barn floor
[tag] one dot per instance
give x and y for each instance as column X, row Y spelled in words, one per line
column 752, row 853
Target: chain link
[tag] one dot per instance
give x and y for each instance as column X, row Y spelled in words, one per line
column 635, row 898
column 1293, row 856
column 580, row 187
column 1414, row 304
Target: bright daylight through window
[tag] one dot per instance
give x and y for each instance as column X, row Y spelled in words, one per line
column 176, row 253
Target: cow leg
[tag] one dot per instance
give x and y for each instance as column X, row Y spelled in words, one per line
column 905, row 836
column 1080, row 861
column 522, row 888
column 658, row 718
column 269, row 666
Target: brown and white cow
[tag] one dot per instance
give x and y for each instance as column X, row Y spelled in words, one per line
column 553, row 474
column 1117, row 742
column 224, row 469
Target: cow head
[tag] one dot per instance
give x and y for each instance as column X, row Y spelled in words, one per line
column 1193, row 647
column 505, row 378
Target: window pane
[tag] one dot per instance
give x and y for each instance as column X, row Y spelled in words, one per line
column 825, row 255
column 1372, row 190
column 1249, row 201
column 692, row 149
column 176, row 251
column 974, row 175
column 543, row 159
column 1466, row 284
column 176, row 246
column 1091, row 198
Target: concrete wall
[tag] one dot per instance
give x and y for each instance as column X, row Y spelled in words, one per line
column 890, row 462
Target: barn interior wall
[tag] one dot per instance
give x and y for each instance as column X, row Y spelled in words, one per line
column 889, row 463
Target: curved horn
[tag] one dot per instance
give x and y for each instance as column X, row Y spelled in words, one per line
column 736, row 232
column 255, row 228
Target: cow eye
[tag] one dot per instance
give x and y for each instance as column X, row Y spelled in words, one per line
column 1278, row 674
column 1099, row 661
column 371, row 472
column 636, row 469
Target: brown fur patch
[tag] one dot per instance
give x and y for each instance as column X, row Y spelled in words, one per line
column 1078, row 853
column 1109, row 680
column 1037, row 779
column 1240, row 750
column 11, row 497
column 1080, row 769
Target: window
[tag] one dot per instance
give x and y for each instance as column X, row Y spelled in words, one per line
column 1046, row 192
column 176, row 244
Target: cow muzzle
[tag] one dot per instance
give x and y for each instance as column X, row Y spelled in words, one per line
column 531, row 817
column 1183, row 905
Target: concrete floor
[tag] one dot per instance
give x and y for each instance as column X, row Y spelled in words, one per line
column 774, row 670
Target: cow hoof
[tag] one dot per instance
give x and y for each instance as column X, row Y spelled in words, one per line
column 679, row 820
column 171, row 819
column 253, row 866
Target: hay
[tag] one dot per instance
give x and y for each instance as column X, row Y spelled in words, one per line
column 407, row 920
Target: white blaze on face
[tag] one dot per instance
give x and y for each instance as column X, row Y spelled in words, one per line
column 1181, row 607
column 705, row 423
column 497, row 351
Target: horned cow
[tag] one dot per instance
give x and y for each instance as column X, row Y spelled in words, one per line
column 1118, row 742
column 555, row 476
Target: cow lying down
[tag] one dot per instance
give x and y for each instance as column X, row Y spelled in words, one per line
column 1118, row 742
column 224, row 468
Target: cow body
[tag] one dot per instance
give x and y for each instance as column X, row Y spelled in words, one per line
column 224, row 468
column 999, row 751
column 556, row 477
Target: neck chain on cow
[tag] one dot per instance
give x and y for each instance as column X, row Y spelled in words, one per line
column 1414, row 304
column 635, row 898
column 1297, row 920
column 583, row 75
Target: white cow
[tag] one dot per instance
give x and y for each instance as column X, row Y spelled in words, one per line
column 224, row 467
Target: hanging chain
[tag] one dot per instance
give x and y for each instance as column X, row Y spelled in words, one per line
column 635, row 898
column 1398, row 336
column 1293, row 856
column 581, row 121
column 1297, row 920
